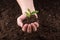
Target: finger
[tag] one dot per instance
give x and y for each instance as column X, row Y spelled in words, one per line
column 34, row 27
column 19, row 22
column 24, row 28
column 36, row 23
column 22, row 17
column 36, row 15
column 29, row 29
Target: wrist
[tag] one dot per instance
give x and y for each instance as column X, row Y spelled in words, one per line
column 24, row 10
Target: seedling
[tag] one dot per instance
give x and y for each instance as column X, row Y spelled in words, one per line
column 29, row 13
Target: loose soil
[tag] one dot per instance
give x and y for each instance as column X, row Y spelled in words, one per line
column 49, row 21
column 31, row 19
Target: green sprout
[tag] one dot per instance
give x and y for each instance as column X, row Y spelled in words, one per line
column 29, row 13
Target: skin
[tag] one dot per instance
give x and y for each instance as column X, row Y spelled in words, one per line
column 25, row 4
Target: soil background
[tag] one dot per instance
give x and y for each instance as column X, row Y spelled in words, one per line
column 49, row 20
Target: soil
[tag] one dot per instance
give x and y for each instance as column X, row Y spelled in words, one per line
column 49, row 21
column 31, row 19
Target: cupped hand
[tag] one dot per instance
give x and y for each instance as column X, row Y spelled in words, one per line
column 27, row 27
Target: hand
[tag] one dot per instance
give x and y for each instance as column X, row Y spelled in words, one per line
column 27, row 27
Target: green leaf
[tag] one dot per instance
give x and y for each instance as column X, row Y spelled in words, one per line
column 29, row 11
column 34, row 12
column 27, row 14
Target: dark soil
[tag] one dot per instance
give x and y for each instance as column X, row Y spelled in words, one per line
column 31, row 19
column 49, row 20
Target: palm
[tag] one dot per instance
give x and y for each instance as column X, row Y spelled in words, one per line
column 27, row 27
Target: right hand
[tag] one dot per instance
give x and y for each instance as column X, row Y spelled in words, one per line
column 27, row 27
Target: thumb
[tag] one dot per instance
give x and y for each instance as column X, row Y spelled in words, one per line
column 19, row 22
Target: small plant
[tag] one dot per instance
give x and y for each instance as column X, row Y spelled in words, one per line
column 29, row 13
